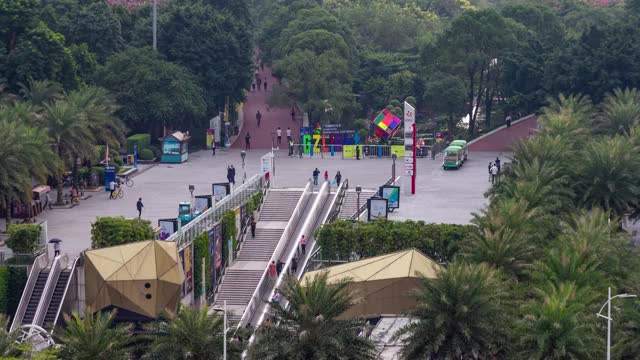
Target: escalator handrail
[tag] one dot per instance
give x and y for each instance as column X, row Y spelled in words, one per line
column 39, row 264
column 49, row 288
column 64, row 294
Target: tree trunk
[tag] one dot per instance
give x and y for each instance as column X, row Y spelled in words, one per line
column 478, row 98
column 488, row 105
column 59, row 180
column 450, row 125
column 472, row 75
column 7, row 215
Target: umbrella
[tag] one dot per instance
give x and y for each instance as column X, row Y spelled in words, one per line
column 54, row 241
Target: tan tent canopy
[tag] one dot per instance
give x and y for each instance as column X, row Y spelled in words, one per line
column 385, row 283
column 143, row 277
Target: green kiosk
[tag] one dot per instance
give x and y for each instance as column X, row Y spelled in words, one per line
column 175, row 148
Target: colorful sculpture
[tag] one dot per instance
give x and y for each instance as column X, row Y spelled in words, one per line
column 385, row 125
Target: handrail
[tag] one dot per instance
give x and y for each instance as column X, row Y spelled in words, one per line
column 39, row 263
column 307, row 228
column 360, row 210
column 338, row 201
column 49, row 287
column 212, row 215
column 284, row 238
column 64, row 295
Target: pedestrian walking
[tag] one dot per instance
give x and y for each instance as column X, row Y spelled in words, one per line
column 508, row 121
column 75, row 199
column 279, row 134
column 303, row 245
column 253, row 227
column 233, row 174
column 489, row 170
column 48, row 197
column 213, row 147
column 272, row 269
column 494, row 173
column 293, row 113
column 56, row 248
column 290, row 147
column 265, row 85
column 316, row 172
column 112, row 188
column 261, row 65
column 300, row 150
column 139, row 206
column 498, row 163
column 259, row 80
column 294, row 265
column 247, row 142
column 253, row 87
column 258, row 117
column 338, row 178
column 326, row 175
column 279, row 267
column 357, row 152
column 229, row 174
column 288, row 134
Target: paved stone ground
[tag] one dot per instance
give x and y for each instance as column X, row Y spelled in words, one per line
column 443, row 196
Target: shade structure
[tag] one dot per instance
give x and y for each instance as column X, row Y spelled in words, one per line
column 386, row 284
column 142, row 277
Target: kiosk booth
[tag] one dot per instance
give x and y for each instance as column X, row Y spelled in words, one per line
column 175, row 147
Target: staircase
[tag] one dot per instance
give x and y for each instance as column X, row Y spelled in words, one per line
column 350, row 203
column 56, row 298
column 242, row 278
column 38, row 288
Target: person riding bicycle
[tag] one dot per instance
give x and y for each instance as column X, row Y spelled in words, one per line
column 112, row 188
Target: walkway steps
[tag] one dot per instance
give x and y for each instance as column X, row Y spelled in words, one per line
column 350, row 204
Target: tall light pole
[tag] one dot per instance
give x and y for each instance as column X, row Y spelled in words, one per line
column 608, row 317
column 224, row 330
column 155, row 24
column 394, row 156
column 358, row 191
column 243, row 155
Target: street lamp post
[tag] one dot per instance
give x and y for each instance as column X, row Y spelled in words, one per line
column 191, row 189
column 243, row 155
column 155, row 24
column 608, row 317
column 394, row 156
column 358, row 191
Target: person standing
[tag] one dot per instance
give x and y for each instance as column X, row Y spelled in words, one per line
column 498, row 163
column 288, row 134
column 508, row 121
column 247, row 142
column 279, row 135
column 316, row 172
column 489, row 170
column 229, row 174
column 265, row 85
column 112, row 188
column 494, row 173
column 279, row 266
column 253, row 87
column 259, row 80
column 139, row 206
column 48, row 197
column 290, row 147
column 300, row 150
column 261, row 65
column 258, row 117
column 56, row 248
column 253, row 227
column 213, row 147
column 233, row 175
column 326, row 175
column 75, row 199
column 293, row 113
column 272, row 270
column 357, row 152
column 338, row 178
column 294, row 266
column 303, row 245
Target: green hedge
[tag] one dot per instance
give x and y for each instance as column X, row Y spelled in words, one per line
column 254, row 202
column 141, row 140
column 146, row 154
column 17, row 281
column 201, row 250
column 24, row 238
column 439, row 241
column 4, row 289
column 110, row 231
column 229, row 231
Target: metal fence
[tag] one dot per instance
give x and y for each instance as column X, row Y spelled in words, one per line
column 211, row 216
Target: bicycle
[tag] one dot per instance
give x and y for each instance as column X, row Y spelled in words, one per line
column 118, row 193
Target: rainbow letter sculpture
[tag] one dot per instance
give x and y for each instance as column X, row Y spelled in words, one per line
column 385, row 125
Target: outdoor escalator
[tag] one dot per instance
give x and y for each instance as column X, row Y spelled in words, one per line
column 57, row 298
column 36, row 294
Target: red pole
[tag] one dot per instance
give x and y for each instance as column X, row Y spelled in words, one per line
column 415, row 168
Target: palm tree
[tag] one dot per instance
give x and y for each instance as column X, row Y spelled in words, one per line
column 628, row 345
column 192, row 334
column 24, row 156
column 460, row 315
column 41, row 92
column 559, row 327
column 609, row 173
column 308, row 328
column 572, row 107
column 94, row 337
column 7, row 340
column 620, row 111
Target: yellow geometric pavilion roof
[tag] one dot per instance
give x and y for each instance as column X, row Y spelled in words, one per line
column 401, row 264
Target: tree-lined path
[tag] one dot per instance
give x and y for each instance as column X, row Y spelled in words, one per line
column 261, row 137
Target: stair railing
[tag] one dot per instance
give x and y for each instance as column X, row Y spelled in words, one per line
column 72, row 275
column 39, row 263
column 60, row 262
column 265, row 283
column 362, row 207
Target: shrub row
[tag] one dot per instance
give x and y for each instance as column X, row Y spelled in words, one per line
column 110, row 231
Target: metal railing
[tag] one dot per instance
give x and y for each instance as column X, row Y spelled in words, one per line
column 211, row 216
column 265, row 283
column 60, row 262
column 336, row 206
column 72, row 275
column 362, row 207
column 39, row 263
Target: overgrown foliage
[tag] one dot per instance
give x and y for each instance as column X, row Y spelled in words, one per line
column 24, row 238
column 111, row 231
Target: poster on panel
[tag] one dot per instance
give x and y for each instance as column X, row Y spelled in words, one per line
column 203, row 202
column 167, row 227
column 392, row 194
column 218, row 254
column 238, row 223
column 220, row 190
column 186, row 257
column 212, row 257
column 377, row 209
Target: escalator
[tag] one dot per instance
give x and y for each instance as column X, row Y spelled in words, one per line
column 36, row 296
column 57, row 298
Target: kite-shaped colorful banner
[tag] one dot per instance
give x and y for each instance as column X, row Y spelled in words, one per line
column 385, row 125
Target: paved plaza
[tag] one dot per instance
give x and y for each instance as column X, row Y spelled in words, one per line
column 442, row 196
